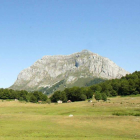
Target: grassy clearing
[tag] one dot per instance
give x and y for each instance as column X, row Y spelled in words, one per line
column 91, row 121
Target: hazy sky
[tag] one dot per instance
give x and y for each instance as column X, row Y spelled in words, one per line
column 30, row 29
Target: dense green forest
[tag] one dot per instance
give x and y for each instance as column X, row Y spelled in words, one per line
column 73, row 94
column 127, row 85
column 22, row 95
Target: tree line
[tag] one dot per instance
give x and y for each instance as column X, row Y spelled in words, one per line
column 22, row 95
column 73, row 94
column 127, row 85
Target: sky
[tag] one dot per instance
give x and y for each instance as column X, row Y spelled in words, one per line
column 31, row 29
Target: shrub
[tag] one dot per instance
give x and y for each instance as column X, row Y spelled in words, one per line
column 98, row 96
column 48, row 101
column 21, row 99
column 104, row 97
column 125, row 114
column 83, row 97
column 33, row 99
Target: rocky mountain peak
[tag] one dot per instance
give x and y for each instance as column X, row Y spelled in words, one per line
column 86, row 52
column 50, row 70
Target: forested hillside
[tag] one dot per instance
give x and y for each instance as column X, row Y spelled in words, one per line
column 127, row 85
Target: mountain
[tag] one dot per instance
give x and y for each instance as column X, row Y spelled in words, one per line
column 60, row 71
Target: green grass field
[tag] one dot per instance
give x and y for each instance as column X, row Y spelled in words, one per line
column 90, row 121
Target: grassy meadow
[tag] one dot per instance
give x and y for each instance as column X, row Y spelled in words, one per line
column 90, row 121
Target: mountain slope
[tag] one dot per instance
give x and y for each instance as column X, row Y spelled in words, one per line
column 50, row 70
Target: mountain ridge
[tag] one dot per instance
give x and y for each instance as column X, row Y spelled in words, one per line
column 49, row 70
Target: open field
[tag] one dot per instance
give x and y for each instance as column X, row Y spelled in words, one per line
column 28, row 121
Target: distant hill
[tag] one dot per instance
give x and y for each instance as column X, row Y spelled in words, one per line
column 58, row 72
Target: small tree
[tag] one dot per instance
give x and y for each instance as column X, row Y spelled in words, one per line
column 63, row 96
column 98, row 96
column 48, row 101
column 104, row 97
column 27, row 98
column 44, row 97
column 21, row 99
column 114, row 93
column 56, row 96
column 135, row 92
column 33, row 99
column 83, row 97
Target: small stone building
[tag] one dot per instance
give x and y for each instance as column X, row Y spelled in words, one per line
column 59, row 102
column 69, row 101
column 39, row 102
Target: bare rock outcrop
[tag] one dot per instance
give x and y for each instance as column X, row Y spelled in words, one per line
column 52, row 69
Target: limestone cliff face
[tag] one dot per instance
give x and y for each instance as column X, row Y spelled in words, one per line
column 51, row 69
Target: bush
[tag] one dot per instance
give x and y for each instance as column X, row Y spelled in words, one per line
column 104, row 97
column 125, row 114
column 98, row 96
column 21, row 99
column 83, row 97
column 33, row 99
column 48, row 101
column 135, row 92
